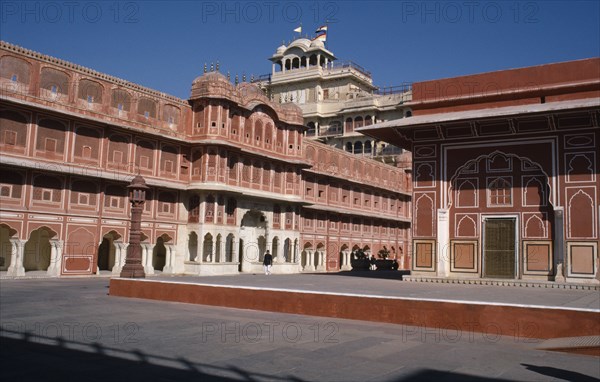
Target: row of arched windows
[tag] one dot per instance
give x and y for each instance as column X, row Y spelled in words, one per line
column 360, row 148
column 57, row 84
column 335, row 127
column 257, row 129
column 297, row 62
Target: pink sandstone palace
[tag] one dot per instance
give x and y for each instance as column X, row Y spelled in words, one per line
column 505, row 168
column 230, row 174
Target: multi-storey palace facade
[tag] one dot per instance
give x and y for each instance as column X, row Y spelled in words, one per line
column 505, row 171
column 230, row 176
column 336, row 97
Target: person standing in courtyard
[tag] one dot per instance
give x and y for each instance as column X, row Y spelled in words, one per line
column 372, row 262
column 267, row 263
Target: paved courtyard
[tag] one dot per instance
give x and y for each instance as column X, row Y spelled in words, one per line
column 57, row 329
column 389, row 284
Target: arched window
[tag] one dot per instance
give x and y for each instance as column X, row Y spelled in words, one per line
column 15, row 69
column 349, row 125
column 147, row 108
column 54, row 82
column 358, row 122
column 90, row 91
column 358, row 147
column 500, row 192
column 311, row 131
column 120, row 99
column 171, row 114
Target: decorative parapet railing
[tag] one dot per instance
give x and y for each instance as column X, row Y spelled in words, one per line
column 331, row 131
column 350, row 65
column 396, row 89
column 89, row 72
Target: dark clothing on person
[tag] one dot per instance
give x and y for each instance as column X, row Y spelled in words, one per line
column 268, row 259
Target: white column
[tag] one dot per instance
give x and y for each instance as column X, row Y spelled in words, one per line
column 16, row 267
column 276, row 252
column 345, row 266
column 56, row 247
column 295, row 252
column 120, row 255
column 170, row 255
column 443, row 244
column 55, row 257
column 200, row 251
column 235, row 256
column 213, row 253
column 309, row 260
column 147, row 258
column 322, row 266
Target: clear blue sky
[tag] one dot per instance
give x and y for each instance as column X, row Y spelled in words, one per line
column 164, row 45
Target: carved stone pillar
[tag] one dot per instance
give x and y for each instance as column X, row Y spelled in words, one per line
column 235, row 255
column 200, row 251
column 147, row 250
column 170, row 255
column 309, row 261
column 133, row 267
column 16, row 267
column 120, row 254
column 56, row 247
column 213, row 252
column 322, row 256
column 345, row 266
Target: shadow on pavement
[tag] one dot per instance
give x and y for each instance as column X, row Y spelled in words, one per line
column 27, row 357
column 427, row 375
column 560, row 373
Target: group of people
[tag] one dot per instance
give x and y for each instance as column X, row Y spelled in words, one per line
column 268, row 263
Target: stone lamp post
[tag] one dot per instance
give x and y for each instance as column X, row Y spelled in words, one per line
column 133, row 262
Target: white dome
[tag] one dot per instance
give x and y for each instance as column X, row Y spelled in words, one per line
column 302, row 43
column 281, row 49
column 317, row 44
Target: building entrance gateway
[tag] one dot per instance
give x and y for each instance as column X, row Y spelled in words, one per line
column 499, row 247
column 253, row 240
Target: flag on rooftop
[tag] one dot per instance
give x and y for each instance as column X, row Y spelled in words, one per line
column 322, row 28
column 321, row 37
column 299, row 29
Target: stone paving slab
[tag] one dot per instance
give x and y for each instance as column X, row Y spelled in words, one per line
column 382, row 284
column 75, row 331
